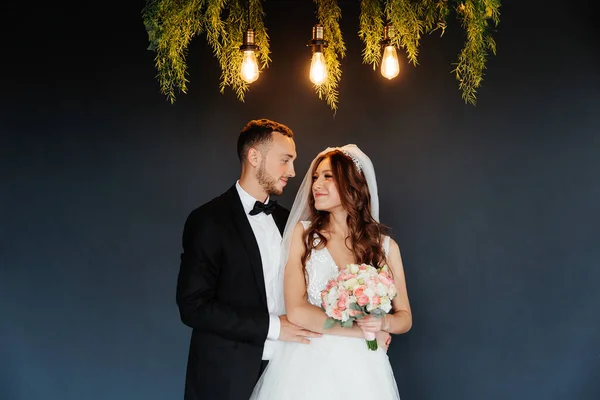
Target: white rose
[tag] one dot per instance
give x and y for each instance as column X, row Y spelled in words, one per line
column 345, row 316
column 350, row 284
column 333, row 294
column 354, row 268
column 381, row 289
column 363, row 276
column 392, row 291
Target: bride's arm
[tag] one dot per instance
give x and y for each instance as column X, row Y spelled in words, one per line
column 299, row 311
column 400, row 319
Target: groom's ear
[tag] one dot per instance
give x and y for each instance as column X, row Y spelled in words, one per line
column 253, row 157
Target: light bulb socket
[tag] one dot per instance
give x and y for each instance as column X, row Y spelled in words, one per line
column 248, row 44
column 388, row 31
column 318, row 43
column 317, row 32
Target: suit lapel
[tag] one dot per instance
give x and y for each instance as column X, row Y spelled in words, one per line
column 280, row 217
column 248, row 239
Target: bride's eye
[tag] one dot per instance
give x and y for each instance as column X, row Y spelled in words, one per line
column 314, row 178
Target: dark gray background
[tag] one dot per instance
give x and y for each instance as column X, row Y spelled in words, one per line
column 495, row 207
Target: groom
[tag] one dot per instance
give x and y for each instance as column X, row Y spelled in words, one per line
column 227, row 276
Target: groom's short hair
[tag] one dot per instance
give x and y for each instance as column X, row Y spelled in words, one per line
column 258, row 132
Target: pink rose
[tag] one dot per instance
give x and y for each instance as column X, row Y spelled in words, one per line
column 337, row 314
column 354, row 313
column 385, row 278
column 341, row 304
column 376, row 300
column 359, row 291
column 363, row 300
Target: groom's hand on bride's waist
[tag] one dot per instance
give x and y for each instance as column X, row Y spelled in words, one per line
column 384, row 339
column 293, row 333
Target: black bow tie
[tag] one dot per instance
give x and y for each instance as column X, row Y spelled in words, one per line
column 262, row 207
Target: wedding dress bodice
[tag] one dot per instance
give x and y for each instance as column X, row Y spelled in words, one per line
column 321, row 267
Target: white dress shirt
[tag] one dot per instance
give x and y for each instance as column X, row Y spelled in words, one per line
column 269, row 244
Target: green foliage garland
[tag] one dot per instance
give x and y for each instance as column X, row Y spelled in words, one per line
column 171, row 25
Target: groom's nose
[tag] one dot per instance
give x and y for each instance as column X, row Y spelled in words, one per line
column 291, row 173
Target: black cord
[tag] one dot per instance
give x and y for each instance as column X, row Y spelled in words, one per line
column 249, row 15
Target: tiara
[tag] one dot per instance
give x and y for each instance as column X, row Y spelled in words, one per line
column 353, row 157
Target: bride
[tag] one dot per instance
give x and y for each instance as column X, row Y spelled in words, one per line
column 333, row 223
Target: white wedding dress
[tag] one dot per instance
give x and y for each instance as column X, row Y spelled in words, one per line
column 330, row 367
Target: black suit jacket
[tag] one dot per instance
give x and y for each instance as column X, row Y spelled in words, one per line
column 221, row 296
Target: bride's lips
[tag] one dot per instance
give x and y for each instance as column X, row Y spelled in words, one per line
column 319, row 195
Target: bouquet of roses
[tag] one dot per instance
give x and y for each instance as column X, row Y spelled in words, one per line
column 358, row 291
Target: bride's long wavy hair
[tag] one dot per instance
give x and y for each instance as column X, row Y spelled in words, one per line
column 364, row 232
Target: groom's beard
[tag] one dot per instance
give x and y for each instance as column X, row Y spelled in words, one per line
column 268, row 183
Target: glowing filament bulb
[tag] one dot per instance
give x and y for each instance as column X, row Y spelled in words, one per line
column 390, row 67
column 318, row 69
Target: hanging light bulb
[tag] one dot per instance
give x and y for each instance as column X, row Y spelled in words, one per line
column 249, row 70
column 318, row 68
column 390, row 67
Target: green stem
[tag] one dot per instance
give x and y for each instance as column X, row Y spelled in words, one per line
column 372, row 344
